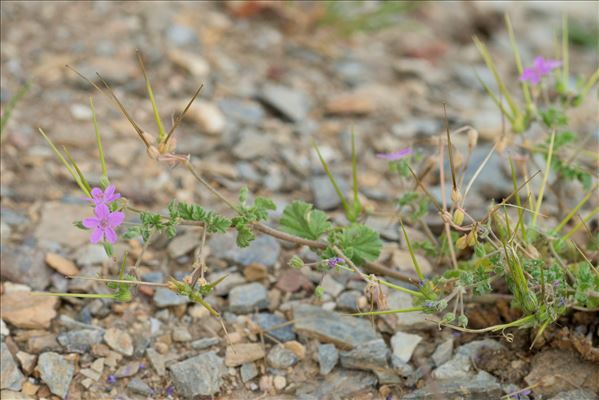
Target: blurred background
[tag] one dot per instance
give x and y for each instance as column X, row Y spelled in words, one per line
column 277, row 77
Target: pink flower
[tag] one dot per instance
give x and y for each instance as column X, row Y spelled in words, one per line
column 103, row 197
column 540, row 68
column 395, row 155
column 104, row 223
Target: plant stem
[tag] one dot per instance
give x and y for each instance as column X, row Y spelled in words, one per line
column 98, row 140
column 372, row 266
column 545, row 179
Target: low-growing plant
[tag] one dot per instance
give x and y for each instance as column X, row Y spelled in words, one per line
column 545, row 272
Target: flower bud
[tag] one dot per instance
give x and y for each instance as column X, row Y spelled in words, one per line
column 449, row 317
column 458, row 216
column 472, row 138
column 462, row 243
column 104, row 182
column 455, row 196
column 296, row 262
column 472, row 238
column 318, row 291
column 463, row 321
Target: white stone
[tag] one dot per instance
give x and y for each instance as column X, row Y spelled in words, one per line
column 404, row 344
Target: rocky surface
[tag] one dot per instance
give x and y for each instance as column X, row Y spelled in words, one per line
column 276, row 80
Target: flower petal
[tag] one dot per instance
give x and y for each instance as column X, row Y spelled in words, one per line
column 90, row 222
column 113, row 197
column 102, row 211
column 109, row 190
column 96, row 235
column 97, row 192
column 116, row 218
column 395, row 155
column 110, row 234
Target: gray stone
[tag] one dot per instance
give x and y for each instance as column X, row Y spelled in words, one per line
column 325, row 196
column 290, row 103
column 4, row 331
column 224, row 287
column 138, row 386
column 91, row 254
column 119, row 340
column 264, row 250
column 327, row 357
column 183, row 244
column 11, row 217
column 352, row 72
column 199, row 375
column 331, row 286
column 388, row 377
column 181, row 35
column 84, row 285
column 371, row 355
column 246, row 298
column 401, row 367
column 460, row 366
column 281, row 358
column 24, row 264
column 12, row 395
column 11, row 376
column 247, row 172
column 339, row 384
column 267, row 320
column 181, row 335
column 413, row 320
column 443, row 352
column 386, row 227
column 72, row 324
column 157, row 360
column 404, row 345
column 164, row 297
column 253, row 144
column 411, row 128
column 80, row 341
column 202, row 344
column 242, row 111
column 59, row 217
column 327, row 326
column 348, row 300
column 127, row 370
column 482, row 386
column 577, row 394
column 248, row 371
column 492, row 183
column 56, row 372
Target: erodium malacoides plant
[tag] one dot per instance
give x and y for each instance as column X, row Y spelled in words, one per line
column 545, row 272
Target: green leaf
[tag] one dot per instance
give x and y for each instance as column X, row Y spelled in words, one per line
column 301, row 220
column 244, row 233
column 243, row 195
column 359, row 243
column 194, row 212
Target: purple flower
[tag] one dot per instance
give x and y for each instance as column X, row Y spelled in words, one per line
column 334, row 261
column 561, row 302
column 395, row 155
column 170, row 391
column 103, row 197
column 429, row 303
column 540, row 68
column 111, row 379
column 104, row 223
